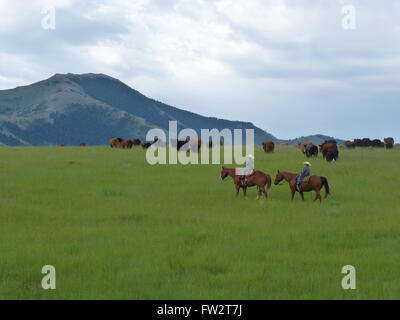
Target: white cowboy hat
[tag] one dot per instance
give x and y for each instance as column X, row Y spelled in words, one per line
column 307, row 163
column 250, row 156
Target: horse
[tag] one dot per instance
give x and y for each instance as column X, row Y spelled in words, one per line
column 258, row 178
column 315, row 183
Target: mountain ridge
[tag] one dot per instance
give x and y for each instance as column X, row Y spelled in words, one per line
column 92, row 108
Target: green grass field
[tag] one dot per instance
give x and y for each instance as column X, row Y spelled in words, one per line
column 115, row 227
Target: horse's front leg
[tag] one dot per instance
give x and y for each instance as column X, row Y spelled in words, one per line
column 302, row 195
column 237, row 186
column 292, row 188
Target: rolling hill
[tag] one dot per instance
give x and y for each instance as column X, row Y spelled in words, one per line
column 92, row 108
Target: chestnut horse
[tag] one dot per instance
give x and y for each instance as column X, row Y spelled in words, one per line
column 258, row 178
column 314, row 183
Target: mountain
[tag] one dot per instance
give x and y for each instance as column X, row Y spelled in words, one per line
column 316, row 139
column 92, row 108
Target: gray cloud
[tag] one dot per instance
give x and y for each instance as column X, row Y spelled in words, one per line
column 276, row 63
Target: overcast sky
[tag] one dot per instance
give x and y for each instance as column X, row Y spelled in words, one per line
column 288, row 66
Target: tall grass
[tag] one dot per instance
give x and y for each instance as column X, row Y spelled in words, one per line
column 116, row 227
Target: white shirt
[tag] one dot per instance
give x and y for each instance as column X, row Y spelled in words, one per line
column 247, row 170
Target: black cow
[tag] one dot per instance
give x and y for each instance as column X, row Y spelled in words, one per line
column 311, row 150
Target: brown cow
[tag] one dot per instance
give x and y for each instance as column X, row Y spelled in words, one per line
column 116, row 143
column 285, row 144
column 389, row 143
column 329, row 151
column 302, row 146
column 126, row 144
column 82, row 145
column 350, row 144
column 268, row 146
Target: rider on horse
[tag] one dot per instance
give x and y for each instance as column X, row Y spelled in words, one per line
column 305, row 173
column 247, row 171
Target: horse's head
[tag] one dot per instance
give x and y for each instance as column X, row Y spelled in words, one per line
column 279, row 178
column 224, row 174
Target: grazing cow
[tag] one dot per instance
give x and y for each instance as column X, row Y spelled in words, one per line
column 330, row 141
column 62, row 145
column 366, row 142
column 302, row 146
column 377, row 143
column 268, row 146
column 82, row 145
column 116, row 143
column 181, row 145
column 357, row 142
column 211, row 143
column 350, row 144
column 329, row 148
column 284, row 144
column 389, row 143
column 126, row 144
column 332, row 155
column 146, row 145
column 311, row 150
column 136, row 142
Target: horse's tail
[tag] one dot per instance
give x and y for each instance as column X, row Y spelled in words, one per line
column 269, row 181
column 326, row 185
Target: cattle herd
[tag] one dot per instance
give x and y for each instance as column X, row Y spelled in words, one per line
column 180, row 145
column 366, row 142
column 329, row 148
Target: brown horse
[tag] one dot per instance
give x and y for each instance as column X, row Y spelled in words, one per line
column 259, row 179
column 314, row 183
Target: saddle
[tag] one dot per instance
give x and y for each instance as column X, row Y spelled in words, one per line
column 243, row 178
column 251, row 174
column 306, row 180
